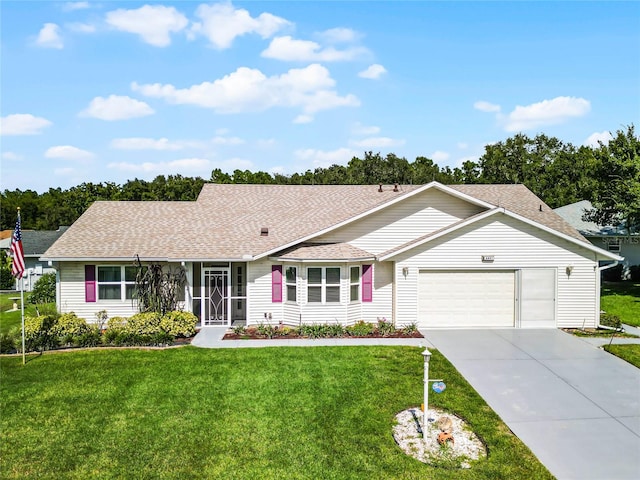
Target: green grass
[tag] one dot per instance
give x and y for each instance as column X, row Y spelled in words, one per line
column 255, row 413
column 622, row 299
column 9, row 320
column 629, row 353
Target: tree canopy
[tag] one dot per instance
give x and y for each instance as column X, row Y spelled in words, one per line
column 558, row 172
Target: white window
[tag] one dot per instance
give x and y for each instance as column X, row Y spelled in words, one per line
column 354, row 290
column 291, row 277
column 116, row 282
column 323, row 284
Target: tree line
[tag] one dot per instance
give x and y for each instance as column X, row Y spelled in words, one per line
column 558, row 172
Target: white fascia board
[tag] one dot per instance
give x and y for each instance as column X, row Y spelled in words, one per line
column 401, row 198
column 322, row 260
column 441, row 233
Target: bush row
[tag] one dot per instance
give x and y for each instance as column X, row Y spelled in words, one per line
column 47, row 332
column 359, row 329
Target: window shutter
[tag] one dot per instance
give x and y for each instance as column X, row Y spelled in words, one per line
column 276, row 283
column 89, row 283
column 367, row 283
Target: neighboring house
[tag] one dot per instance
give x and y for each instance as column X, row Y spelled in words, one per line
column 615, row 239
column 34, row 244
column 434, row 255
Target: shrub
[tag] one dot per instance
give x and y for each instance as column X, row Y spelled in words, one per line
column 38, row 333
column 7, row 281
column 116, row 323
column 268, row 331
column 179, row 324
column 90, row 338
column 9, row 341
column 161, row 339
column 69, row 324
column 634, row 273
column 410, row 329
column 239, row 329
column 613, row 274
column 385, row 328
column 360, row 329
column 44, row 290
column 313, row 331
column 610, row 320
column 334, row 330
column 147, row 323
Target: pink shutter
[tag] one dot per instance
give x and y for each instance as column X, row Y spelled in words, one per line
column 367, row 283
column 276, row 283
column 89, row 283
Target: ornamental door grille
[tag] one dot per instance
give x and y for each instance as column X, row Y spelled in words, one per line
column 216, row 301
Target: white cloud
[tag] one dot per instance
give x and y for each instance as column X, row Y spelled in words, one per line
column 324, row 158
column 49, row 36
column 338, row 35
column 116, row 107
column 463, row 145
column 192, row 165
column 377, row 142
column 22, row 124
column 64, row 172
column 439, row 156
column 71, row 6
column 221, row 23
column 359, row 129
column 547, row 112
column 249, row 90
column 302, row 119
column 154, row 23
column 596, row 137
column 289, row 49
column 266, row 142
column 224, row 140
column 81, row 27
column 373, row 72
column 139, row 143
column 486, row 106
column 68, row 152
column 11, row 156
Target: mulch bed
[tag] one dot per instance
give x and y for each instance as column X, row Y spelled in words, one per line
column 253, row 334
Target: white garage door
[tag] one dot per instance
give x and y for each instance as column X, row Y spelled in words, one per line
column 466, row 299
column 538, row 298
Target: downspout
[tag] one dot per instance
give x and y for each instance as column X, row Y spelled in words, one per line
column 598, row 282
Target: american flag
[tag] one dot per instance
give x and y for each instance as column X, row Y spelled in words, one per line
column 17, row 253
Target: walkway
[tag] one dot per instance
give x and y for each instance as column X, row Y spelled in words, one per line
column 575, row 406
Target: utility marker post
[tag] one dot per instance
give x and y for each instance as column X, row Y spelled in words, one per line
column 425, row 415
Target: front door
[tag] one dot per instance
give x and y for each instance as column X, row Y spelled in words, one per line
column 216, row 296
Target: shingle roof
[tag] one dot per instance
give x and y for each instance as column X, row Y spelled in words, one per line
column 325, row 251
column 573, row 213
column 35, row 242
column 226, row 220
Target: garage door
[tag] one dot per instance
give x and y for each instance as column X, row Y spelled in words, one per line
column 466, row 299
column 538, row 298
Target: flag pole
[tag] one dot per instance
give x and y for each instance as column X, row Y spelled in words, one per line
column 24, row 360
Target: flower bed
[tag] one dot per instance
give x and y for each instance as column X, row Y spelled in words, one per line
column 381, row 329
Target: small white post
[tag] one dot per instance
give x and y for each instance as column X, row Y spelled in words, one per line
column 427, row 357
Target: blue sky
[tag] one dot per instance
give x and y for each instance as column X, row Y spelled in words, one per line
column 111, row 91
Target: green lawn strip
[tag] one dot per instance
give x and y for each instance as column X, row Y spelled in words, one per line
column 295, row 413
column 629, row 353
column 622, row 299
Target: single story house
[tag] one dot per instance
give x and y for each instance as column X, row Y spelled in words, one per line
column 433, row 255
column 34, row 244
column 614, row 238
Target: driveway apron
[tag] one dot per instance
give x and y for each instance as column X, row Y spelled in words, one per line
column 574, row 405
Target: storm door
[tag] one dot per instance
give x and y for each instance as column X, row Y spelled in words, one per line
column 216, row 296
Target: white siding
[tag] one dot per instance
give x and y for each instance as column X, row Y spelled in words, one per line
column 71, row 284
column 345, row 312
column 514, row 245
column 422, row 214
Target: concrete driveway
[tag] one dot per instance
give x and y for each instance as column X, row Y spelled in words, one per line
column 575, row 406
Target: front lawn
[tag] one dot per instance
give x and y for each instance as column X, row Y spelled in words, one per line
column 622, row 299
column 263, row 413
column 629, row 353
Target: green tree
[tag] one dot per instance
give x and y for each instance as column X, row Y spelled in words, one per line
column 617, row 196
